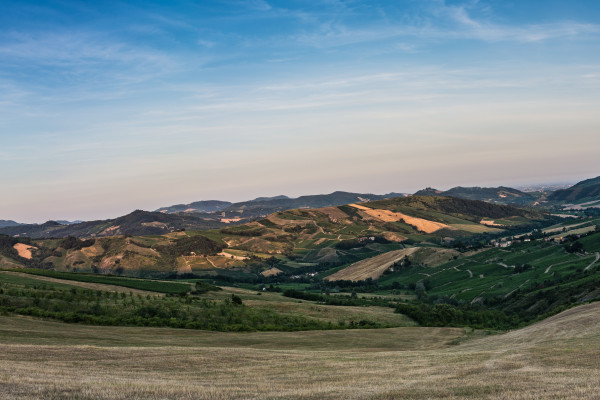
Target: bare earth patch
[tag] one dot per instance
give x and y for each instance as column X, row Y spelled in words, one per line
column 394, row 237
column 110, row 230
column 232, row 256
column 24, row 250
column 489, row 223
column 93, row 251
column 155, row 224
column 421, row 224
column 271, row 272
column 230, row 220
column 475, row 228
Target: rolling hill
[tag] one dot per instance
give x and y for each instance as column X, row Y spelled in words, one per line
column 136, row 223
column 497, row 195
column 263, row 206
column 584, row 191
column 204, row 206
column 297, row 238
column 6, row 223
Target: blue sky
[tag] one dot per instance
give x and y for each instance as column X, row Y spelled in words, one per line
column 112, row 106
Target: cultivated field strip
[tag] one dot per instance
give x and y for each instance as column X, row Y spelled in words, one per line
column 371, row 267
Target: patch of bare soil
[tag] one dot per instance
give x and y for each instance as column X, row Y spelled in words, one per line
column 155, row 224
column 24, row 250
column 489, row 223
column 110, row 230
column 394, row 237
column 230, row 220
column 231, row 256
column 93, row 251
column 271, row 272
column 421, row 224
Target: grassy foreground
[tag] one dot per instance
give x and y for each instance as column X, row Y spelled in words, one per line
column 556, row 358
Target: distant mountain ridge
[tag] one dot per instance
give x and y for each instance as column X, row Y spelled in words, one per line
column 335, row 234
column 65, row 222
column 210, row 214
column 203, row 206
column 263, row 206
column 280, row 197
column 200, row 215
column 497, row 195
column 586, row 190
column 136, row 223
column 8, row 222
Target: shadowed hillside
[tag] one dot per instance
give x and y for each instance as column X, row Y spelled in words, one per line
column 298, row 238
column 137, row 223
column 586, row 190
column 497, row 195
column 204, row 206
column 263, row 206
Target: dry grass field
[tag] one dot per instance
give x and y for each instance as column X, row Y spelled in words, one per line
column 371, row 267
column 474, row 228
column 374, row 267
column 421, row 224
column 554, row 359
column 24, row 250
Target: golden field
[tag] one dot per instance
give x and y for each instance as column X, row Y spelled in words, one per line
column 556, row 358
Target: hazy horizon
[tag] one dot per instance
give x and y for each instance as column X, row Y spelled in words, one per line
column 125, row 211
column 108, row 108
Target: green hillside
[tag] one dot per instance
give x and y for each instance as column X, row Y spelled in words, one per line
column 294, row 240
column 523, row 281
column 472, row 210
column 583, row 191
column 448, row 268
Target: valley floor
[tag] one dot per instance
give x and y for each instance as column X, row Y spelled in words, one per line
column 557, row 358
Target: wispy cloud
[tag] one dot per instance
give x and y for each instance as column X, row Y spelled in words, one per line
column 218, row 93
column 80, row 61
column 462, row 24
column 440, row 22
column 72, row 49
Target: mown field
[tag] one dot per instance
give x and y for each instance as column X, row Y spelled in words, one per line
column 421, row 307
column 556, row 359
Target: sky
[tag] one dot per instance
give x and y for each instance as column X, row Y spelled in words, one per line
column 108, row 107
